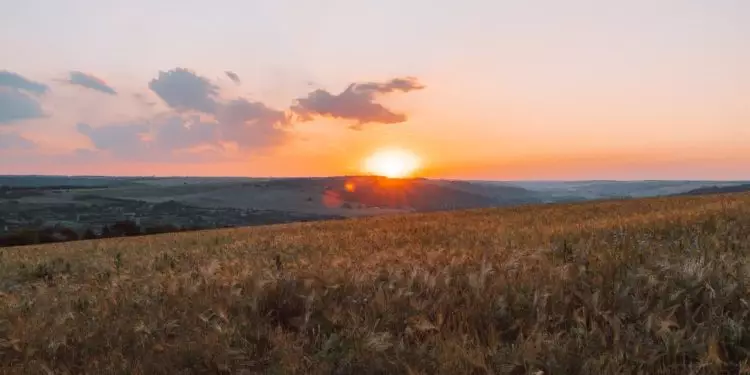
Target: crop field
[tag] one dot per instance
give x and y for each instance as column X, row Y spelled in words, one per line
column 644, row 286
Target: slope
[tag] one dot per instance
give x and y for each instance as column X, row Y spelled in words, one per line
column 650, row 286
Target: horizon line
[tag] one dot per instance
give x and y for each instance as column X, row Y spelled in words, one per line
column 366, row 175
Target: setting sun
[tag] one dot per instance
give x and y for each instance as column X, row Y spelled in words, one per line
column 392, row 163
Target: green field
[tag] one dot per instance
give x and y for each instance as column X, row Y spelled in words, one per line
column 639, row 286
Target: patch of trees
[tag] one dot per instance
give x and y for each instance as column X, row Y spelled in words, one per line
column 123, row 228
column 718, row 190
column 169, row 206
column 48, row 187
column 39, row 236
column 165, row 228
column 15, row 192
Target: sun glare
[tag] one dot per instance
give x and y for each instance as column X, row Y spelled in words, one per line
column 392, row 163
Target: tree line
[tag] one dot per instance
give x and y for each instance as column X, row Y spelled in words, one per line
column 33, row 236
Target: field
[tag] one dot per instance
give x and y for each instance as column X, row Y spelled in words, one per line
column 650, row 286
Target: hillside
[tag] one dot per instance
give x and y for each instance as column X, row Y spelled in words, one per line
column 52, row 209
column 585, row 190
column 719, row 189
column 654, row 285
column 345, row 196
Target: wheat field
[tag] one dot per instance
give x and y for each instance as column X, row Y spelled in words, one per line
column 635, row 286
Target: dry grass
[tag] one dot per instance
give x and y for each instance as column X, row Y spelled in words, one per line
column 644, row 286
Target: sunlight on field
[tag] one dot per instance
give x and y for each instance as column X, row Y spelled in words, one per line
column 649, row 286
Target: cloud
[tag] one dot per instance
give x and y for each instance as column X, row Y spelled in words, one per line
column 200, row 124
column 252, row 124
column 90, row 82
column 16, row 81
column 176, row 133
column 356, row 103
column 16, row 105
column 15, row 102
column 181, row 89
column 248, row 124
column 122, row 140
column 397, row 84
column 140, row 98
column 233, row 76
column 13, row 141
column 150, row 140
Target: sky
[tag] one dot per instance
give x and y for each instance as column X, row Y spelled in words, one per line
column 537, row 89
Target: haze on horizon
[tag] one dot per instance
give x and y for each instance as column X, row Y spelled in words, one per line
column 539, row 89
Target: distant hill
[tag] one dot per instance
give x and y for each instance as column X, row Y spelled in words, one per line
column 415, row 194
column 426, row 195
column 718, row 190
column 554, row 191
column 34, row 181
column 346, row 196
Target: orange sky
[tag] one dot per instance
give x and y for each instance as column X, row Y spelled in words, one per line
column 493, row 90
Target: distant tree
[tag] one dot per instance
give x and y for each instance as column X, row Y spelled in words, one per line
column 89, row 235
column 164, row 228
column 106, row 232
column 126, row 228
column 47, row 235
column 20, row 238
column 67, row 234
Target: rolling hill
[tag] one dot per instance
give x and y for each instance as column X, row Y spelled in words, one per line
column 342, row 196
column 719, row 189
column 637, row 286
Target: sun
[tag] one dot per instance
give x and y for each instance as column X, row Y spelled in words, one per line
column 392, row 163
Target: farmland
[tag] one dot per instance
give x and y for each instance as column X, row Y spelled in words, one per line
column 654, row 285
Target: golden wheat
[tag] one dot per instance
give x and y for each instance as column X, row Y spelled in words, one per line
column 637, row 286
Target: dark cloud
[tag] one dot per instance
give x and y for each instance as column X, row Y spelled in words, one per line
column 251, row 124
column 13, row 141
column 90, row 82
column 15, row 102
column 356, row 103
column 16, row 81
column 397, row 84
column 16, row 105
column 233, row 76
column 181, row 89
